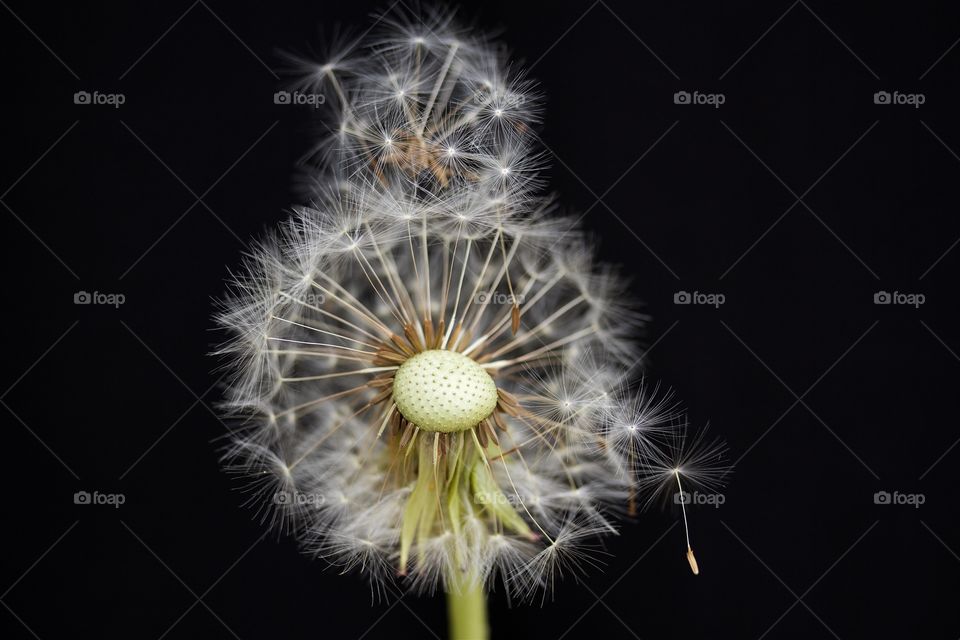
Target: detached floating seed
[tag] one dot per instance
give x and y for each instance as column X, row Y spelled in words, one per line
column 444, row 391
column 692, row 559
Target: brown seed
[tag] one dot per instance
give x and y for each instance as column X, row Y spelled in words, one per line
column 508, row 398
column 402, row 344
column 465, row 342
column 382, row 381
column 490, row 432
column 456, row 333
column 507, row 409
column 407, row 430
column 412, row 337
column 482, row 436
column 383, row 395
column 386, row 356
column 428, row 332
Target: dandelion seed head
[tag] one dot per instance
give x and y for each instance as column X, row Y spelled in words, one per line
column 428, row 368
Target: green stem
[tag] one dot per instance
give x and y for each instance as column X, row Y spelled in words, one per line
column 467, row 612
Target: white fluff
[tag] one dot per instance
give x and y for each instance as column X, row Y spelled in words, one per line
column 424, row 204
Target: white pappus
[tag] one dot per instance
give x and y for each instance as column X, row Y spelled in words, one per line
column 428, row 369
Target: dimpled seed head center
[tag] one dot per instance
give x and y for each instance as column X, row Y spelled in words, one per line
column 444, row 391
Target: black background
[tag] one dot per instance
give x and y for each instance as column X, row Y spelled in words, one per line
column 824, row 397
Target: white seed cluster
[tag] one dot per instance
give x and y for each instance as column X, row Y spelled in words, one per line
column 444, row 391
column 427, row 267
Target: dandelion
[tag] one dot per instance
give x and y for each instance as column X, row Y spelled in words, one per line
column 429, row 369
